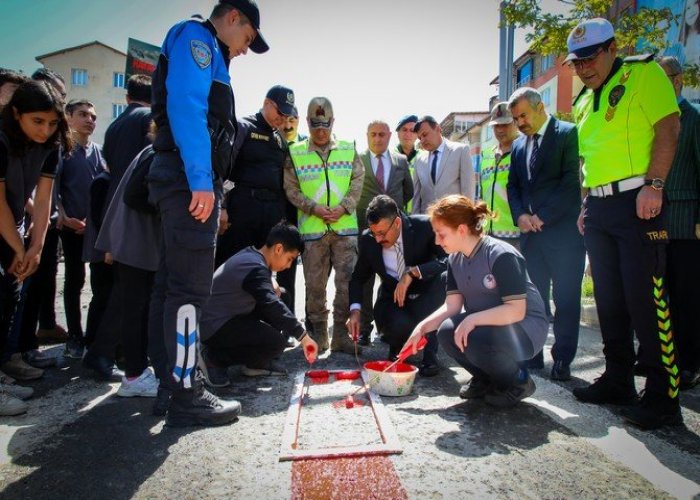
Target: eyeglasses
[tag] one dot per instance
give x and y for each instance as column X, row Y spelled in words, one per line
column 382, row 234
column 586, row 61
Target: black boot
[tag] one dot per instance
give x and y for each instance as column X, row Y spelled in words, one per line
column 200, row 407
column 162, row 402
column 654, row 411
column 607, row 391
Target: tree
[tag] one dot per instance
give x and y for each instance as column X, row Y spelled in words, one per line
column 549, row 30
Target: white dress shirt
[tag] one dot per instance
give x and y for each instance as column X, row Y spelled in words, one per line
column 389, row 257
column 386, row 162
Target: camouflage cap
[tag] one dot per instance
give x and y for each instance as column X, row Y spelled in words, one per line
column 501, row 114
column 320, row 113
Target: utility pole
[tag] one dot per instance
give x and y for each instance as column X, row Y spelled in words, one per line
column 505, row 67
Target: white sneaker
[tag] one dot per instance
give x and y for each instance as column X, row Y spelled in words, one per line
column 145, row 386
column 10, row 405
column 17, row 391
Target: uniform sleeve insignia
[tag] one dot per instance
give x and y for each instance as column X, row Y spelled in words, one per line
column 201, row 53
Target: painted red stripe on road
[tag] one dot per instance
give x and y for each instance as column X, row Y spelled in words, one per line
column 346, row 478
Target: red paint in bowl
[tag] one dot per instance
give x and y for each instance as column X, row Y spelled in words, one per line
column 380, row 366
column 347, row 375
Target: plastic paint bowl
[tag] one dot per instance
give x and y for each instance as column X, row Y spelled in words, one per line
column 396, row 382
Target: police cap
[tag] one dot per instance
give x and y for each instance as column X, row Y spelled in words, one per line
column 585, row 39
column 283, row 97
column 250, row 10
column 406, row 119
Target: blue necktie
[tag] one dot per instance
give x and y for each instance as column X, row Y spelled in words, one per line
column 533, row 156
column 433, row 167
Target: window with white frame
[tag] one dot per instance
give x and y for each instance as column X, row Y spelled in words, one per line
column 79, row 77
column 547, row 97
column 117, row 109
column 118, row 80
column 546, row 62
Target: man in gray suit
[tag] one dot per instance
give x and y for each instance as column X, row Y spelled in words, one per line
column 443, row 167
column 387, row 173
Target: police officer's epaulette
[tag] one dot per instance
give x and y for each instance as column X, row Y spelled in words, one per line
column 583, row 90
column 643, row 58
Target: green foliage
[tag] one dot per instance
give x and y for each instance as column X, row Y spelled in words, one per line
column 587, row 287
column 549, row 31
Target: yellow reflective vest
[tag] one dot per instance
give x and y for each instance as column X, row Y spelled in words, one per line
column 616, row 125
column 494, row 182
column 326, row 183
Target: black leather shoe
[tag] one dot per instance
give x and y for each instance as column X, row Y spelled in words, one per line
column 428, row 369
column 653, row 412
column 689, row 379
column 604, row 390
column 507, row 398
column 365, row 338
column 477, row 388
column 560, row 371
column 200, row 407
column 102, row 366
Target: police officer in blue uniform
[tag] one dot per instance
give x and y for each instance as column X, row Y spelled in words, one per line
column 193, row 107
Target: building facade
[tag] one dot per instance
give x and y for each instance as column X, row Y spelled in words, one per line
column 93, row 71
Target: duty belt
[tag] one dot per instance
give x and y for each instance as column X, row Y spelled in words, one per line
column 617, row 187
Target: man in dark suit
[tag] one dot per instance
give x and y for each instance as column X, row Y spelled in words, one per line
column 401, row 250
column 682, row 190
column 544, row 199
column 387, row 173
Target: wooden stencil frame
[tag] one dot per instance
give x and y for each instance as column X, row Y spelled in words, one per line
column 289, row 451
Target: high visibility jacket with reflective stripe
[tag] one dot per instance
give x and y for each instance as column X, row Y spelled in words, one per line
column 494, row 181
column 616, row 133
column 326, row 183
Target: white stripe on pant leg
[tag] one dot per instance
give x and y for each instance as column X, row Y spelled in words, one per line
column 186, row 327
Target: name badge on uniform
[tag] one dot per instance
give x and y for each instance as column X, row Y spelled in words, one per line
column 201, row 53
column 259, row 137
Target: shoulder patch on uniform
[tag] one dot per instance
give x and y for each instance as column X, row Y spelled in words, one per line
column 201, row 53
column 644, row 58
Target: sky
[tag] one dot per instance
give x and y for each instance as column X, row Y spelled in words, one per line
column 374, row 59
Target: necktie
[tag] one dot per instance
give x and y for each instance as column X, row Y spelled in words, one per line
column 433, row 167
column 400, row 262
column 380, row 173
column 533, row 156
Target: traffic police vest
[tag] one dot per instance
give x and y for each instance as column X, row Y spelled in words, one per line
column 494, row 181
column 326, row 183
column 616, row 126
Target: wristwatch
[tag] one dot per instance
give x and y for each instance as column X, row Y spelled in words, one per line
column 655, row 183
column 413, row 273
